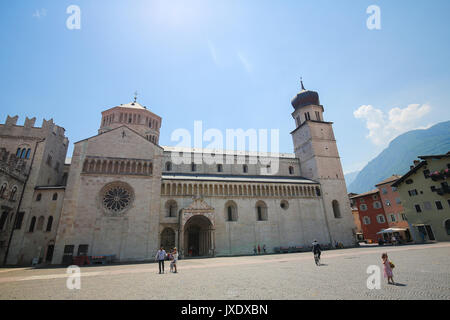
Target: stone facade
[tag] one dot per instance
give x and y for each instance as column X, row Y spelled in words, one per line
column 124, row 195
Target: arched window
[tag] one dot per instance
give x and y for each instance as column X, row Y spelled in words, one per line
column 219, row 168
column 49, row 224
column 366, row 220
column 245, row 168
column 231, row 213
column 447, row 226
column 40, row 223
column 261, row 211
column 22, row 154
column 28, row 154
column 39, row 197
column 12, row 195
column 336, row 209
column 3, row 189
column 55, row 197
column 3, row 220
column 33, row 222
column 193, row 167
column 169, row 166
column 291, row 170
column 171, row 208
column 381, row 219
column 18, row 152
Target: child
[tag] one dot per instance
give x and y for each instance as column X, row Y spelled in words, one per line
column 175, row 259
column 388, row 268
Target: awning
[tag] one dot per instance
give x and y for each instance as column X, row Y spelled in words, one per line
column 391, row 230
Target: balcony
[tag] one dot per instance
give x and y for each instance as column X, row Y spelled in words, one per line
column 440, row 175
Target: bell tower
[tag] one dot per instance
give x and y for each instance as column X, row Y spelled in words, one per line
column 315, row 147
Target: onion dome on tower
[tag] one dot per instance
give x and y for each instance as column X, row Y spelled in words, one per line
column 305, row 98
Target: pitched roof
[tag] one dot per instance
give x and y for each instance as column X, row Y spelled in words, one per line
column 365, row 194
column 392, row 178
column 409, row 173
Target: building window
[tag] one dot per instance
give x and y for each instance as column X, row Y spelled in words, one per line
column 23, row 153
column 380, row 218
column 28, row 154
column 219, row 168
column 404, row 218
column 261, row 211
column 447, row 226
column 383, row 191
column 231, row 211
column 291, row 170
column 375, row 197
column 38, row 197
column 418, row 209
column 193, row 167
column 307, row 116
column 363, row 207
column 168, row 166
column 426, row 174
column 3, row 220
column 366, row 220
column 12, row 195
column 336, row 209
column 393, row 219
column 377, row 205
column 318, row 116
column 49, row 224
column 19, row 220
column 394, row 189
column 83, row 250
column 171, row 208
column 284, row 205
column 388, row 203
column 2, row 190
column 412, row 193
column 245, row 168
column 32, row 224
column 18, row 152
column 439, row 205
column 55, row 197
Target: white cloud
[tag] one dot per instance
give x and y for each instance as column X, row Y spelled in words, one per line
column 245, row 62
column 384, row 128
column 39, row 13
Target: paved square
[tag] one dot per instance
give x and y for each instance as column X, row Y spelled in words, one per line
column 422, row 270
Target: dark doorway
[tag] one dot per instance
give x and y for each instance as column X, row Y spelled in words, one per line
column 49, row 256
column 198, row 237
column 68, row 254
column 168, row 239
column 430, row 232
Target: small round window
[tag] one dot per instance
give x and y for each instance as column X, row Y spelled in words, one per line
column 284, row 205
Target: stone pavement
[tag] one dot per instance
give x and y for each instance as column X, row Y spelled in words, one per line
column 422, row 271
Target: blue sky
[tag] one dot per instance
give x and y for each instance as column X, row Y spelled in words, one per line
column 232, row 64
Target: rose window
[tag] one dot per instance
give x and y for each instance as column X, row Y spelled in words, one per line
column 116, row 198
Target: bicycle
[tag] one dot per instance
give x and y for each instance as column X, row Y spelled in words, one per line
column 317, row 258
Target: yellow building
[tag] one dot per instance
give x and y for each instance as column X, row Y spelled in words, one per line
column 425, row 195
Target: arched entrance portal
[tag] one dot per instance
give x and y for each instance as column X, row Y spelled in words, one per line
column 168, row 239
column 198, row 237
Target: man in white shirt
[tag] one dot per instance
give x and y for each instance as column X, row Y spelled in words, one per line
column 160, row 256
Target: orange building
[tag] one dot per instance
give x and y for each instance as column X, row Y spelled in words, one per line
column 371, row 214
column 392, row 205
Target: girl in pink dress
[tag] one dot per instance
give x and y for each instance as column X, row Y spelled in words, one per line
column 387, row 268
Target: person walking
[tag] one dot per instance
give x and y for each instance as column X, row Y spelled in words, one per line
column 160, row 256
column 175, row 259
column 259, row 249
column 388, row 266
column 254, row 250
column 264, row 248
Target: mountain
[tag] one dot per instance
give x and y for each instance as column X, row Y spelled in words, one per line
column 350, row 177
column 400, row 154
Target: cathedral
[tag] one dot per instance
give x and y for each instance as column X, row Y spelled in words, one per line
column 123, row 196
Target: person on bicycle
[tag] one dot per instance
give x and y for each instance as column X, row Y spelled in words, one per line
column 316, row 248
